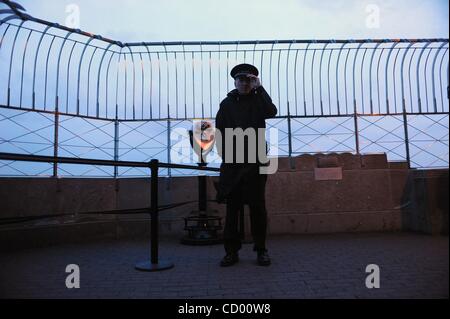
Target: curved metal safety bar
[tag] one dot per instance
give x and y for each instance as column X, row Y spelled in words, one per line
column 319, row 63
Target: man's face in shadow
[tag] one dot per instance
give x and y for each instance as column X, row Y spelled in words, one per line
column 243, row 84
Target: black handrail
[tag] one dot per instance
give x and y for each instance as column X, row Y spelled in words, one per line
column 89, row 161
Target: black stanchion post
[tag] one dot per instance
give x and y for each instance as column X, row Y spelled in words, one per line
column 155, row 264
column 154, row 211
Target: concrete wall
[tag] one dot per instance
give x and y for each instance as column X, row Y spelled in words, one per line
column 308, row 194
column 427, row 195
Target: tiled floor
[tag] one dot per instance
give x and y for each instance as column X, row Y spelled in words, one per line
column 305, row 266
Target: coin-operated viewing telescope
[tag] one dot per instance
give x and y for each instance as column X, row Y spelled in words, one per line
column 202, row 226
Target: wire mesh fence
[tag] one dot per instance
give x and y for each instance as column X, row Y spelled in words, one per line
column 65, row 92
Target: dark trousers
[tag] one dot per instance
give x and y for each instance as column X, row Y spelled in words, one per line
column 251, row 191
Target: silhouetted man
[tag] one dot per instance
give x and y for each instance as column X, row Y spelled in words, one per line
column 247, row 108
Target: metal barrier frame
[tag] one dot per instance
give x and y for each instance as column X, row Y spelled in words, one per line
column 118, row 69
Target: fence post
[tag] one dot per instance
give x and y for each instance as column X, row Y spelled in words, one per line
column 289, row 131
column 355, row 117
column 155, row 264
column 55, row 139
column 116, row 146
column 291, row 160
column 169, row 124
column 405, row 128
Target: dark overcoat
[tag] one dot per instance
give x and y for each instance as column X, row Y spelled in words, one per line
column 240, row 111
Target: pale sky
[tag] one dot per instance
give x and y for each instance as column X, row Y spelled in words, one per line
column 201, row 20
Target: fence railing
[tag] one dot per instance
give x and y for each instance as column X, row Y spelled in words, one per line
column 388, row 95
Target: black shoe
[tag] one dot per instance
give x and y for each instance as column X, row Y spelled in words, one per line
column 263, row 258
column 229, row 260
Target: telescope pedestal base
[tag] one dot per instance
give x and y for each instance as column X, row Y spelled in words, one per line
column 201, row 242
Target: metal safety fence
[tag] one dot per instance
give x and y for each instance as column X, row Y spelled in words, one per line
column 66, row 92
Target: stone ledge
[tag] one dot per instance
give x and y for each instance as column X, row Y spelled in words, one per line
column 347, row 161
column 374, row 161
